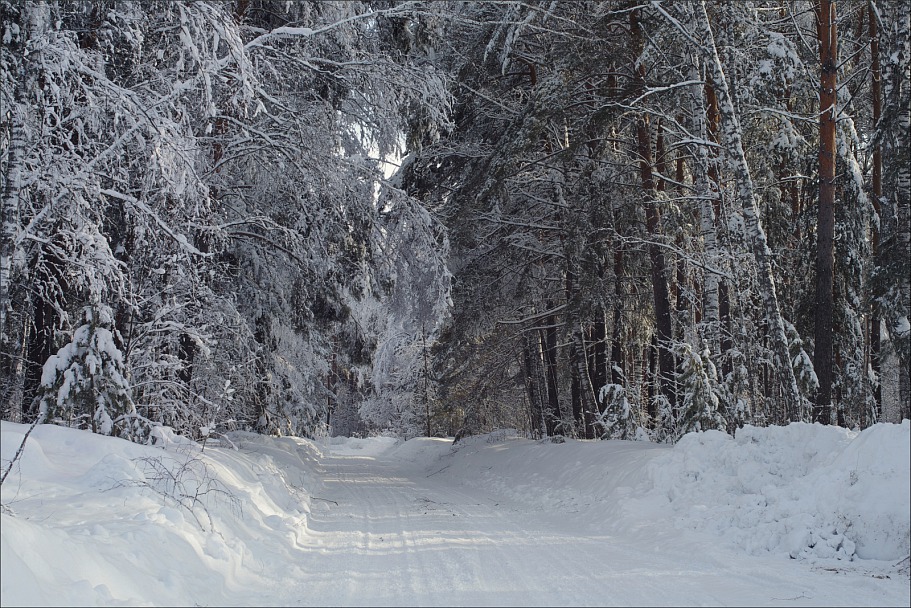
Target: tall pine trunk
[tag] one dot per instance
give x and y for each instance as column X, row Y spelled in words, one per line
column 660, row 293
column 877, row 187
column 825, row 229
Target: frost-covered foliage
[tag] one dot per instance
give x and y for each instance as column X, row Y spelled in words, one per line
column 619, row 419
column 84, row 384
column 560, row 186
column 700, row 406
column 414, row 247
column 582, row 186
column 211, row 168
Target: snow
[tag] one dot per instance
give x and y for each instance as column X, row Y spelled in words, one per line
column 902, row 326
column 758, row 519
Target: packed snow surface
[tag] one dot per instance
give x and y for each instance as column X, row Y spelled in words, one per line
column 803, row 515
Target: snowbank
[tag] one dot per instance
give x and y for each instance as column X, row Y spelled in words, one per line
column 804, row 490
column 94, row 520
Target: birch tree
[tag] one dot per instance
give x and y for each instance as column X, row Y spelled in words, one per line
column 761, row 252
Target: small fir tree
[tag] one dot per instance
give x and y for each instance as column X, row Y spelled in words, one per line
column 807, row 381
column 699, row 379
column 85, row 386
column 618, row 419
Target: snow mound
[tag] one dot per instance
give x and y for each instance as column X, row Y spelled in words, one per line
column 95, row 520
column 804, row 491
column 809, row 491
column 421, row 450
column 367, row 448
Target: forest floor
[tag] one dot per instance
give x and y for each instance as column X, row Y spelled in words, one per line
column 804, row 515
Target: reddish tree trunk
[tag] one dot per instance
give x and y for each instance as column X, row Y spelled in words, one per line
column 656, row 254
column 877, row 179
column 825, row 229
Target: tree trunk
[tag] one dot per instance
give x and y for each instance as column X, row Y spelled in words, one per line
column 10, row 213
column 706, row 213
column 897, row 167
column 650, row 376
column 877, row 187
column 746, row 193
column 825, row 230
column 616, row 349
column 719, row 292
column 660, row 293
column 597, row 361
column 14, row 328
column 580, row 386
column 535, row 408
column 680, row 284
column 549, row 356
column 894, row 243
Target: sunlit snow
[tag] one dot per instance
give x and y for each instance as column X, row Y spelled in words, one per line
column 803, row 515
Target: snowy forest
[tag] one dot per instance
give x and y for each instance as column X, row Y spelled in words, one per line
column 617, row 219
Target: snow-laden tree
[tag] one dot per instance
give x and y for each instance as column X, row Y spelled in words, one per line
column 211, row 168
column 701, row 407
column 413, row 263
column 85, row 385
column 611, row 186
column 619, row 419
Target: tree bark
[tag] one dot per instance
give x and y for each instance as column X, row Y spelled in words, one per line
column 706, row 197
column 660, row 293
column 616, row 350
column 877, row 188
column 719, row 292
column 535, row 409
column 597, row 361
column 549, row 356
column 14, row 327
column 825, row 229
column 896, row 232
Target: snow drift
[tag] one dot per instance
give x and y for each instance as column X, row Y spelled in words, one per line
column 806, row 490
column 802, row 491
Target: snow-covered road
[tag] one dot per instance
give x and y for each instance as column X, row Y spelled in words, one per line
column 387, row 532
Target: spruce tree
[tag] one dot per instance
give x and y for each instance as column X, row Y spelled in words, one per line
column 84, row 385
